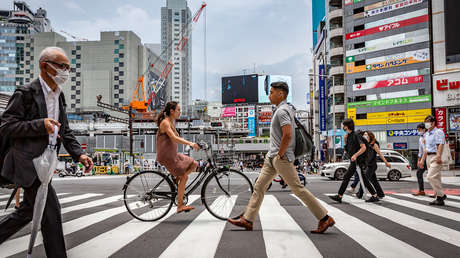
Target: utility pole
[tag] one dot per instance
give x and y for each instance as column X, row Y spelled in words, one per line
column 130, row 128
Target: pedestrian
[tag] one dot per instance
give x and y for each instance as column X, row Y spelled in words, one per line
column 179, row 165
column 279, row 160
column 241, row 166
column 371, row 166
column 356, row 149
column 28, row 121
column 421, row 169
column 434, row 144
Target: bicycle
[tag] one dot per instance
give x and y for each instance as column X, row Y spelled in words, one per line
column 149, row 195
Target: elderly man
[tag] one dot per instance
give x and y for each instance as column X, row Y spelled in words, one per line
column 28, row 121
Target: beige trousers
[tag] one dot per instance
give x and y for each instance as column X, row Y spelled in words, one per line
column 287, row 170
column 434, row 175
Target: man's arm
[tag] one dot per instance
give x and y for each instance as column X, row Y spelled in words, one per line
column 361, row 151
column 285, row 139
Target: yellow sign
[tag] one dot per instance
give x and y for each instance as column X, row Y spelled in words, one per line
column 351, row 68
column 352, row 113
column 393, row 117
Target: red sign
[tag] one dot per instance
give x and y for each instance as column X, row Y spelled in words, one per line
column 242, row 100
column 388, row 83
column 446, row 85
column 441, row 119
column 83, row 146
column 387, row 27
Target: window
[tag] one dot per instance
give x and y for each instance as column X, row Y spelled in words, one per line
column 78, row 101
column 78, row 65
column 115, row 60
column 78, row 56
column 360, row 62
column 121, row 82
column 360, row 80
column 78, row 74
column 121, row 64
column 78, row 47
column 73, row 88
column 394, row 159
column 122, row 46
column 359, row 27
column 358, row 10
column 117, row 42
column 116, row 78
column 360, row 45
column 74, row 52
column 117, row 96
column 116, row 86
column 115, row 69
column 361, row 116
column 116, row 51
column 78, row 83
column 78, row 92
column 121, row 55
column 121, row 91
column 74, row 61
column 121, row 73
column 73, row 70
column 73, row 79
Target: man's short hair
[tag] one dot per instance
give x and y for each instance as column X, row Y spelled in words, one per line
column 349, row 123
column 421, row 126
column 280, row 86
column 50, row 54
column 431, row 118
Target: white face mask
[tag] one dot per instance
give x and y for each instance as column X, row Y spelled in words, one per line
column 61, row 75
column 366, row 137
column 427, row 125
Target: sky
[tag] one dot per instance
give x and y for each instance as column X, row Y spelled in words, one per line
column 265, row 36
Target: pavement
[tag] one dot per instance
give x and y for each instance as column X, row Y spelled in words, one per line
column 96, row 224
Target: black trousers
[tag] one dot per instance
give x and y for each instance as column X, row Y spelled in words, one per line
column 51, row 225
column 370, row 173
column 350, row 172
column 420, row 172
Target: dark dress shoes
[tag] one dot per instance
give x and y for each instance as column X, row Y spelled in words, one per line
column 241, row 222
column 438, row 202
column 336, row 198
column 373, row 199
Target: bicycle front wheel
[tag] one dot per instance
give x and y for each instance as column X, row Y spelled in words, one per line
column 149, row 195
column 226, row 193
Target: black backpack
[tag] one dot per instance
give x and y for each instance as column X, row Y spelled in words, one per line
column 303, row 140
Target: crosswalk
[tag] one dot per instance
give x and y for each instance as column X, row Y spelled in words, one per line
column 401, row 225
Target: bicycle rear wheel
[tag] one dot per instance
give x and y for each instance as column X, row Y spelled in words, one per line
column 226, row 193
column 149, row 195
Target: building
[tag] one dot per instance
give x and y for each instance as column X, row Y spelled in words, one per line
column 15, row 25
column 174, row 18
column 446, row 71
column 109, row 67
column 387, row 60
column 318, row 13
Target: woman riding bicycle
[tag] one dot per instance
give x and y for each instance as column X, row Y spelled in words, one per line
column 179, row 165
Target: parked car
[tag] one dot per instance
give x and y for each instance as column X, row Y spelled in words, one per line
column 400, row 167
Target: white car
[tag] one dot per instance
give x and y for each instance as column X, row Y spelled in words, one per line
column 400, row 167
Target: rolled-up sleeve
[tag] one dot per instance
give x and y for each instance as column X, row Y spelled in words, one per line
column 421, row 147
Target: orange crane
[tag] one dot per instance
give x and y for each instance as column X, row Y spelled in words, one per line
column 138, row 101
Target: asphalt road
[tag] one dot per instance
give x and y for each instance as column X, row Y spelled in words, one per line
column 96, row 224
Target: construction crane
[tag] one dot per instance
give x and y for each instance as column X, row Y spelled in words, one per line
column 138, row 101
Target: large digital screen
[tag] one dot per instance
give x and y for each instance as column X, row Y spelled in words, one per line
column 451, row 10
column 264, row 86
column 239, row 89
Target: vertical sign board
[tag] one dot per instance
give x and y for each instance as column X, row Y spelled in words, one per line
column 251, row 121
column 441, row 119
column 322, row 99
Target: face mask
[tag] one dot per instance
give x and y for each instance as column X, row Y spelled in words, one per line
column 61, row 75
column 366, row 137
column 427, row 125
column 420, row 133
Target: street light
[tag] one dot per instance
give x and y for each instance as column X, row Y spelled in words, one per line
column 334, row 127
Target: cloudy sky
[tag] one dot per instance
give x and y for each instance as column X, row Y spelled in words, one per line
column 274, row 36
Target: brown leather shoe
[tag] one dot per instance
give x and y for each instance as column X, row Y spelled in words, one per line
column 323, row 226
column 419, row 193
column 241, row 222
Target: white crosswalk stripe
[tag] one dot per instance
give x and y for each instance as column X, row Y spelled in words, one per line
column 6, row 201
column 426, row 198
column 375, row 241
column 280, row 233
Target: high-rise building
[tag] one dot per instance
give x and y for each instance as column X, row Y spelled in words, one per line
column 174, row 18
column 109, row 67
column 318, row 13
column 387, row 60
column 15, row 25
column 446, row 72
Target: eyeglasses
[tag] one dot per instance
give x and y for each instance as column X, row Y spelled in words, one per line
column 60, row 66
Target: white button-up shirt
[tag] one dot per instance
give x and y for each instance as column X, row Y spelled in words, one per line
column 433, row 138
column 51, row 100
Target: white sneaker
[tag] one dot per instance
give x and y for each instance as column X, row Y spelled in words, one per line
column 351, row 190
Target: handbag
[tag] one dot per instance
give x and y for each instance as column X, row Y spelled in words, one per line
column 446, row 157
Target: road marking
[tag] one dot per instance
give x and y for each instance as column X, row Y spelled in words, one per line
column 431, row 229
column 423, row 207
column 426, row 198
column 19, row 244
column 91, row 204
column 377, row 242
column 283, row 237
column 207, row 228
column 78, row 197
column 118, row 237
column 4, row 202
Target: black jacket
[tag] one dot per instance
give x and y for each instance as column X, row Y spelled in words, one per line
column 22, row 123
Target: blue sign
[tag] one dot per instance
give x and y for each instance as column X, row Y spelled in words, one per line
column 251, row 122
column 322, row 99
column 408, row 132
column 400, row 145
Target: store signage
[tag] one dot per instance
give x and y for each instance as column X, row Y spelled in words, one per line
column 388, row 83
column 394, row 117
column 389, row 76
column 389, row 102
column 397, row 18
column 387, row 27
column 441, row 119
column 382, row 44
column 454, row 119
column 447, row 90
column 395, row 133
column 251, row 121
column 229, row 112
column 349, row 2
column 391, row 7
column 380, row 4
column 406, row 58
column 322, row 99
column 400, row 145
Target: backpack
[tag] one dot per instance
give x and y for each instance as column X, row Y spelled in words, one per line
column 303, row 140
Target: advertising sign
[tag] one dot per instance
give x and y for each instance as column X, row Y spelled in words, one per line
column 397, row 18
column 389, row 76
column 454, row 121
column 395, row 133
column 411, row 57
column 264, row 86
column 251, row 121
column 441, row 119
column 265, row 118
column 229, row 112
column 239, row 89
column 447, row 90
column 322, row 99
column 394, row 117
column 348, row 2
column 391, row 7
column 387, row 27
column 388, row 83
column 380, row 4
column 389, row 102
column 390, row 95
column 400, row 145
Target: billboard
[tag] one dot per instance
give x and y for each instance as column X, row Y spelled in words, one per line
column 389, row 102
column 229, row 112
column 447, row 90
column 391, row 117
column 388, row 83
column 322, row 99
column 451, row 11
column 252, row 121
column 392, row 7
column 454, row 120
column 264, row 86
column 240, row 89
